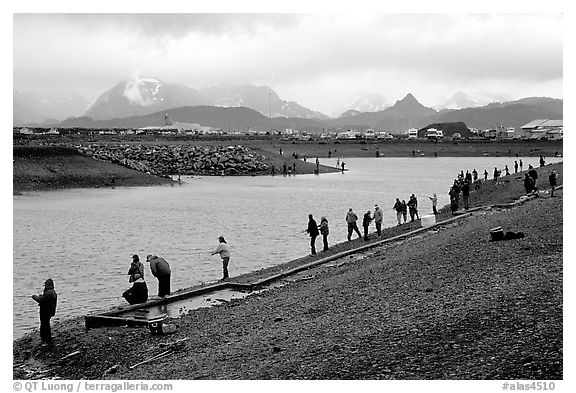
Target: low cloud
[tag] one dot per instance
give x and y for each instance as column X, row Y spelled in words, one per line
column 307, row 56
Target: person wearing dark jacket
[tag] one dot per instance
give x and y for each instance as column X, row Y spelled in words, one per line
column 528, row 183
column 324, row 230
column 404, row 210
column 534, row 175
column 351, row 219
column 413, row 207
column 553, row 182
column 161, row 270
column 466, row 194
column 138, row 293
column 136, row 267
column 47, row 302
column 398, row 208
column 366, row 223
column 313, row 232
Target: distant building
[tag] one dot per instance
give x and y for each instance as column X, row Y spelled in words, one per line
column 543, row 129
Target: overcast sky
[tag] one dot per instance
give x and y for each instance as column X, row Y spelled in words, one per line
column 318, row 60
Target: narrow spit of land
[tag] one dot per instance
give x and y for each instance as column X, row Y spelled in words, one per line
column 50, row 166
column 446, row 304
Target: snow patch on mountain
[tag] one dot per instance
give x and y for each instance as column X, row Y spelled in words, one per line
column 142, row 91
column 372, row 102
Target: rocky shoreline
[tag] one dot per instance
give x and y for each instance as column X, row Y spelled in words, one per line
column 166, row 160
column 446, row 304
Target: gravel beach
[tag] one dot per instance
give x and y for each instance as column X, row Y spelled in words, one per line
column 448, row 303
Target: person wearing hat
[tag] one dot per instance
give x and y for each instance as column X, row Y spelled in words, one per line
column 161, row 270
column 378, row 217
column 312, row 230
column 47, row 302
column 366, row 220
column 351, row 219
column 324, row 230
column 136, row 267
column 138, row 293
column 224, row 250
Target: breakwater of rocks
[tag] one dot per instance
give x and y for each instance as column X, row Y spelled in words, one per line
column 166, row 160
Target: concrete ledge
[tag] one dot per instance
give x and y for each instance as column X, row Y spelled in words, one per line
column 111, row 318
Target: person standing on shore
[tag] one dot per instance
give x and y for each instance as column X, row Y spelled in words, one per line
column 542, row 162
column 485, row 175
column 378, row 217
column 466, row 194
column 553, row 181
column 520, row 161
column 161, row 270
column 434, row 199
column 496, row 174
column 528, row 183
column 404, row 211
column 312, row 230
column 284, row 169
column 343, row 164
column 224, row 250
column 136, row 267
column 515, row 166
column 366, row 223
column 413, row 206
column 338, row 162
column 324, row 230
column 351, row 219
column 398, row 208
column 47, row 302
column 475, row 175
column 506, row 170
column 138, row 293
column 534, row 175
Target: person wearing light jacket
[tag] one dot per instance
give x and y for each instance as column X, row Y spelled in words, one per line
column 378, row 217
column 224, row 250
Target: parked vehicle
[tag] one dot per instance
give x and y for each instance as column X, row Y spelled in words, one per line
column 346, row 135
column 456, row 136
column 412, row 133
column 369, row 134
column 433, row 133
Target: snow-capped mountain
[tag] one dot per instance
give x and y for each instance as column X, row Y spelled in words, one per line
column 143, row 95
column 460, row 100
column 372, row 102
column 260, row 98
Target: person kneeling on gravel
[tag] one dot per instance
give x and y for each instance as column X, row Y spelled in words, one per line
column 138, row 293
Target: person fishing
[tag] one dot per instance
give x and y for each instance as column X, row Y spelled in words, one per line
column 136, row 267
column 434, row 199
column 161, row 270
column 224, row 250
column 47, row 302
column 138, row 293
column 312, row 230
column 324, row 230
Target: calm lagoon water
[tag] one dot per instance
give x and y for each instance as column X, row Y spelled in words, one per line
column 84, row 239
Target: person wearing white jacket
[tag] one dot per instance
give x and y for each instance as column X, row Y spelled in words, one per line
column 224, row 250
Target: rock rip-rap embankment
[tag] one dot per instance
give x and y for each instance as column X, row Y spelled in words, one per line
column 165, row 160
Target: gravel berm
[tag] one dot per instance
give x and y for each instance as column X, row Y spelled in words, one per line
column 449, row 303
